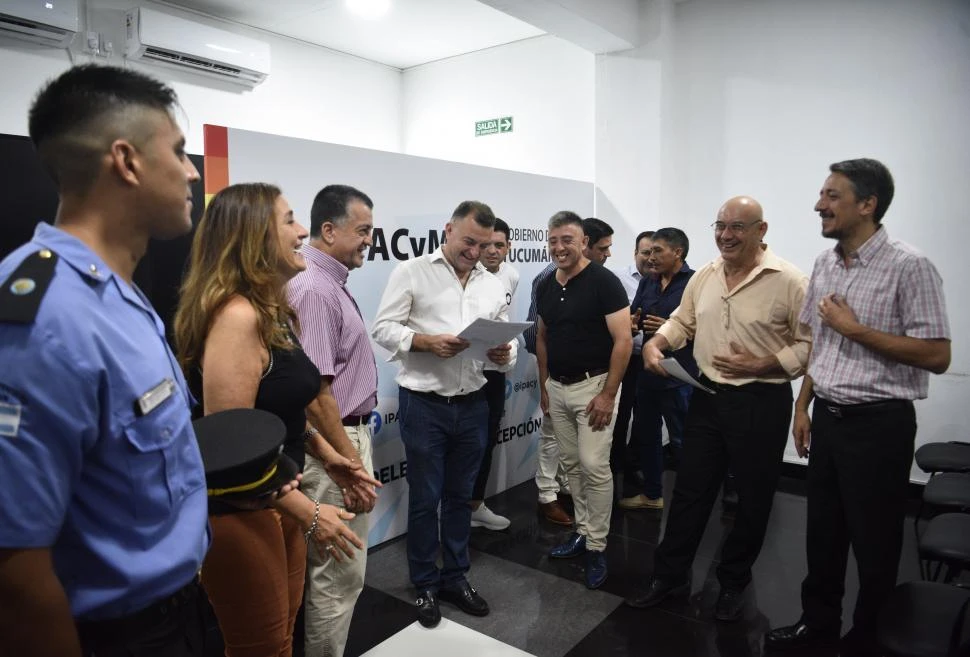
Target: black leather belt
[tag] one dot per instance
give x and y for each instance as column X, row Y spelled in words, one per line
column 355, row 420
column 865, row 408
column 744, row 387
column 570, row 379
column 112, row 631
column 454, row 399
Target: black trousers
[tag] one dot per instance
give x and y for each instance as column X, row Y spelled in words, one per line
column 625, row 458
column 173, row 627
column 495, row 397
column 858, row 475
column 746, row 428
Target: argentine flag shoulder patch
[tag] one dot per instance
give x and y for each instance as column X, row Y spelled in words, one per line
column 9, row 419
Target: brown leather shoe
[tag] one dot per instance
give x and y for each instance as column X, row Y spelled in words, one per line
column 554, row 513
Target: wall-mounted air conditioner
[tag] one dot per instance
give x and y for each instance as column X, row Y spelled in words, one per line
column 162, row 38
column 50, row 22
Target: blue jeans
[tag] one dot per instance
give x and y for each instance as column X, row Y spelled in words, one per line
column 654, row 407
column 444, row 444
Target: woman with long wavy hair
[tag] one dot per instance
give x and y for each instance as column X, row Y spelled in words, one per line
column 236, row 339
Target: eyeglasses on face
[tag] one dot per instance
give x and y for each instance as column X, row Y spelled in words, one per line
column 738, row 228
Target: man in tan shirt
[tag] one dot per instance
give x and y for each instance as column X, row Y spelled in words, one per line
column 741, row 310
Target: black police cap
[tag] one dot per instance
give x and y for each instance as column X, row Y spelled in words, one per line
column 242, row 452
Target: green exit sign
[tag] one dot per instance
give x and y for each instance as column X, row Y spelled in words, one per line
column 493, row 126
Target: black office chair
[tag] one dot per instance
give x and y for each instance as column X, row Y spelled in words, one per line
column 949, row 491
column 948, row 465
column 945, row 542
column 953, row 456
column 925, row 619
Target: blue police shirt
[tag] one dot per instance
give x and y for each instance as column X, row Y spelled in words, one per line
column 116, row 490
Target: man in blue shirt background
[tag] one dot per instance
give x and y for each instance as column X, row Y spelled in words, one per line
column 661, row 399
column 103, row 509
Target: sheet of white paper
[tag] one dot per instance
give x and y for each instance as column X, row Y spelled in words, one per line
column 675, row 370
column 483, row 334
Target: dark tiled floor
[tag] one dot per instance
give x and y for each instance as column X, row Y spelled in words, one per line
column 680, row 627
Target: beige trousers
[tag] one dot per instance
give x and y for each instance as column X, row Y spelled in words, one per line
column 332, row 586
column 585, row 456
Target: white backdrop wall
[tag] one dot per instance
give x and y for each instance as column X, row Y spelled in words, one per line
column 311, row 92
column 413, row 199
column 544, row 83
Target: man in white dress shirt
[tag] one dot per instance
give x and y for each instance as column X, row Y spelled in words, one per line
column 442, row 409
column 493, row 259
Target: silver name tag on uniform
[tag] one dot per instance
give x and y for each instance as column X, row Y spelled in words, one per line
column 151, row 399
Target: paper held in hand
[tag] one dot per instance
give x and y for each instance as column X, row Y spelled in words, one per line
column 483, row 334
column 675, row 370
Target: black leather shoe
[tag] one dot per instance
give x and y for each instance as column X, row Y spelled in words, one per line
column 575, row 546
column 657, row 591
column 799, row 635
column 730, row 605
column 596, row 570
column 429, row 614
column 463, row 596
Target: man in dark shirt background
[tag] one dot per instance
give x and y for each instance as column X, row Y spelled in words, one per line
column 661, row 399
column 599, row 240
column 625, row 454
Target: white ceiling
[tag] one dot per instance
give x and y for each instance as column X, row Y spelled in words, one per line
column 413, row 32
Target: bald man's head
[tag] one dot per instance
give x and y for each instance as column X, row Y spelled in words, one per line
column 738, row 231
column 744, row 208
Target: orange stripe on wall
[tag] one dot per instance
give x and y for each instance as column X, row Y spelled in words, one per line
column 216, row 159
column 216, row 174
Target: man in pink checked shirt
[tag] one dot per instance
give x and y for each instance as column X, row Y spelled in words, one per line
column 879, row 323
column 334, row 337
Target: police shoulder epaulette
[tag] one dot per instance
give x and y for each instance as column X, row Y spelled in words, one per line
column 23, row 291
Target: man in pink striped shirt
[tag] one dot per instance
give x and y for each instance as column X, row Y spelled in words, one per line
column 335, row 338
column 878, row 318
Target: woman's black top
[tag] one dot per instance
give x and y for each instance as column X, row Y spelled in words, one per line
column 289, row 384
column 291, row 381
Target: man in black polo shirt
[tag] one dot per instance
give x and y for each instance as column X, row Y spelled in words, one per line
column 583, row 346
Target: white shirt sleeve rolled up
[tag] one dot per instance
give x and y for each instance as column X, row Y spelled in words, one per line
column 425, row 296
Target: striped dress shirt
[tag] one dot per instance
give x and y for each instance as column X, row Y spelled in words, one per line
column 332, row 331
column 891, row 287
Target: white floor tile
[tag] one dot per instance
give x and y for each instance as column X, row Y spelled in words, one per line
column 449, row 639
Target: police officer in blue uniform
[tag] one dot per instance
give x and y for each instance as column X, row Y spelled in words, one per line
column 103, row 511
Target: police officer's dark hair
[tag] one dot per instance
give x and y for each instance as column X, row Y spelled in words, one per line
column 596, row 229
column 502, row 227
column 331, row 204
column 565, row 218
column 675, row 238
column 76, row 116
column 869, row 178
column 647, row 234
column 481, row 213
